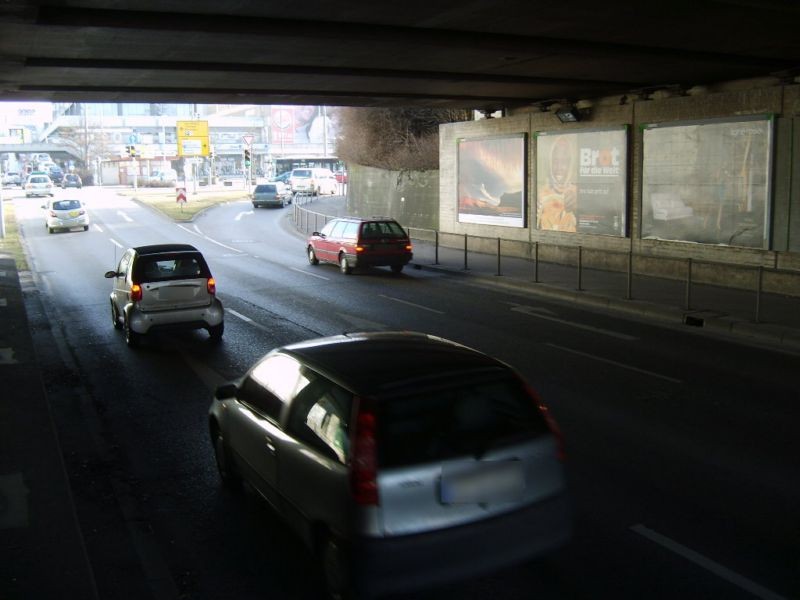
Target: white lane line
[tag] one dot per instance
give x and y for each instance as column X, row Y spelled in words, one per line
column 717, row 569
column 311, row 274
column 533, row 312
column 240, row 315
column 116, row 243
column 97, row 227
column 616, row 364
column 124, row 216
column 187, row 230
column 407, row 303
column 197, row 229
column 241, row 214
column 208, row 239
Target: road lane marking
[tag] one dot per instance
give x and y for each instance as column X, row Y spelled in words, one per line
column 406, row 302
column 208, row 239
column 116, row 243
column 97, row 227
column 240, row 315
column 187, row 230
column 616, row 364
column 124, row 216
column 311, row 274
column 534, row 312
column 708, row 564
column 241, row 214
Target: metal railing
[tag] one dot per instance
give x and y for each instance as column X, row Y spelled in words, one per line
column 309, row 220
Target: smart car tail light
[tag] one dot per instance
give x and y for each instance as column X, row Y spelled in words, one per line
column 136, row 292
column 364, row 461
column 211, row 285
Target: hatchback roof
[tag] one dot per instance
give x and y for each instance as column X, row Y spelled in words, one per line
column 383, row 362
column 162, row 248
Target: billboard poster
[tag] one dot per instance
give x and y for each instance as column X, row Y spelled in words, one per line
column 708, row 181
column 297, row 124
column 581, row 179
column 491, row 180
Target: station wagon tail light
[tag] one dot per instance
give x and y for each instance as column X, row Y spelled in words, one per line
column 136, row 292
column 409, row 246
column 364, row 460
column 362, row 247
column 211, row 285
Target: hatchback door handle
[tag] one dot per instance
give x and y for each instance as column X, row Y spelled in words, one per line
column 270, row 446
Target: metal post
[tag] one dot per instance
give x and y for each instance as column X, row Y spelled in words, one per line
column 629, row 293
column 759, row 284
column 536, row 262
column 498, row 257
column 436, row 248
column 689, row 284
column 580, row 266
column 466, row 268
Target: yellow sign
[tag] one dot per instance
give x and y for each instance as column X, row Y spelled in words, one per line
column 192, row 138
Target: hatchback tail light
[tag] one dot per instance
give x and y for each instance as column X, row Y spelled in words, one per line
column 136, row 292
column 211, row 285
column 364, row 460
column 53, row 213
column 548, row 418
column 409, row 246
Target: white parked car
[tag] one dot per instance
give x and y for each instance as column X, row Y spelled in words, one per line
column 65, row 215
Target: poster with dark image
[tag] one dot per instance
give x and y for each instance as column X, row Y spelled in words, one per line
column 491, row 181
column 708, row 181
column 581, row 180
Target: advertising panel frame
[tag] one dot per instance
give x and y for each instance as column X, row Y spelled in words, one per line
column 486, row 191
column 716, row 209
column 598, row 169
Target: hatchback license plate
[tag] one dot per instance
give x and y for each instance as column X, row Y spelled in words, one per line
column 482, row 482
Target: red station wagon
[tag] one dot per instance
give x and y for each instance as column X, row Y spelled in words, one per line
column 353, row 242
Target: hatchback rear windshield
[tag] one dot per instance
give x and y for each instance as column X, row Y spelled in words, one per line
column 265, row 189
column 163, row 267
column 301, row 173
column 468, row 419
column 66, row 205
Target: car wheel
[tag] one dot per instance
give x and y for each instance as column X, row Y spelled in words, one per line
column 312, row 257
column 115, row 316
column 336, row 569
column 50, row 230
column 255, row 205
column 397, row 268
column 344, row 265
column 216, row 331
column 131, row 337
column 225, row 467
column 86, row 228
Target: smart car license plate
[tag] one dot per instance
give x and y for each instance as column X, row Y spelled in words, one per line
column 74, row 213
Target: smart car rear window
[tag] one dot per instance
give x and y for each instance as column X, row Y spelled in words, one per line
column 447, row 422
column 164, row 267
column 66, row 205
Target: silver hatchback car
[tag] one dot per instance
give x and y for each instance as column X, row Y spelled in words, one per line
column 164, row 286
column 401, row 459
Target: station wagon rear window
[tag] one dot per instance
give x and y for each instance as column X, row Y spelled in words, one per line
column 382, row 229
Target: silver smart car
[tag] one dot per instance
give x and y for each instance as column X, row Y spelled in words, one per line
column 402, row 459
column 164, row 286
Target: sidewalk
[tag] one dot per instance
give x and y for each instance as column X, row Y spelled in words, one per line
column 715, row 309
column 42, row 554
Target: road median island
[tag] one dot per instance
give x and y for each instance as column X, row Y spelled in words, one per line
column 165, row 201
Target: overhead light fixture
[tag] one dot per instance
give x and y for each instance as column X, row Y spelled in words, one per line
column 568, row 114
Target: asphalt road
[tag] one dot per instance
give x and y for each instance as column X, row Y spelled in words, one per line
column 682, row 451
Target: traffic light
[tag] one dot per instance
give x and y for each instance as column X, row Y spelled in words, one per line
column 246, row 157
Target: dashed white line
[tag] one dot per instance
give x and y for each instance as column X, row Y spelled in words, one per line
column 616, row 364
column 407, row 303
column 311, row 274
column 124, row 216
column 717, row 569
column 230, row 311
column 241, row 214
column 533, row 312
column 97, row 227
column 116, row 243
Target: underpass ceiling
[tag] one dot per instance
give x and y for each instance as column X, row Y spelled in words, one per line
column 471, row 54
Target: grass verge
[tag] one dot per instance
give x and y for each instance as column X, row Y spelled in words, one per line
column 10, row 244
